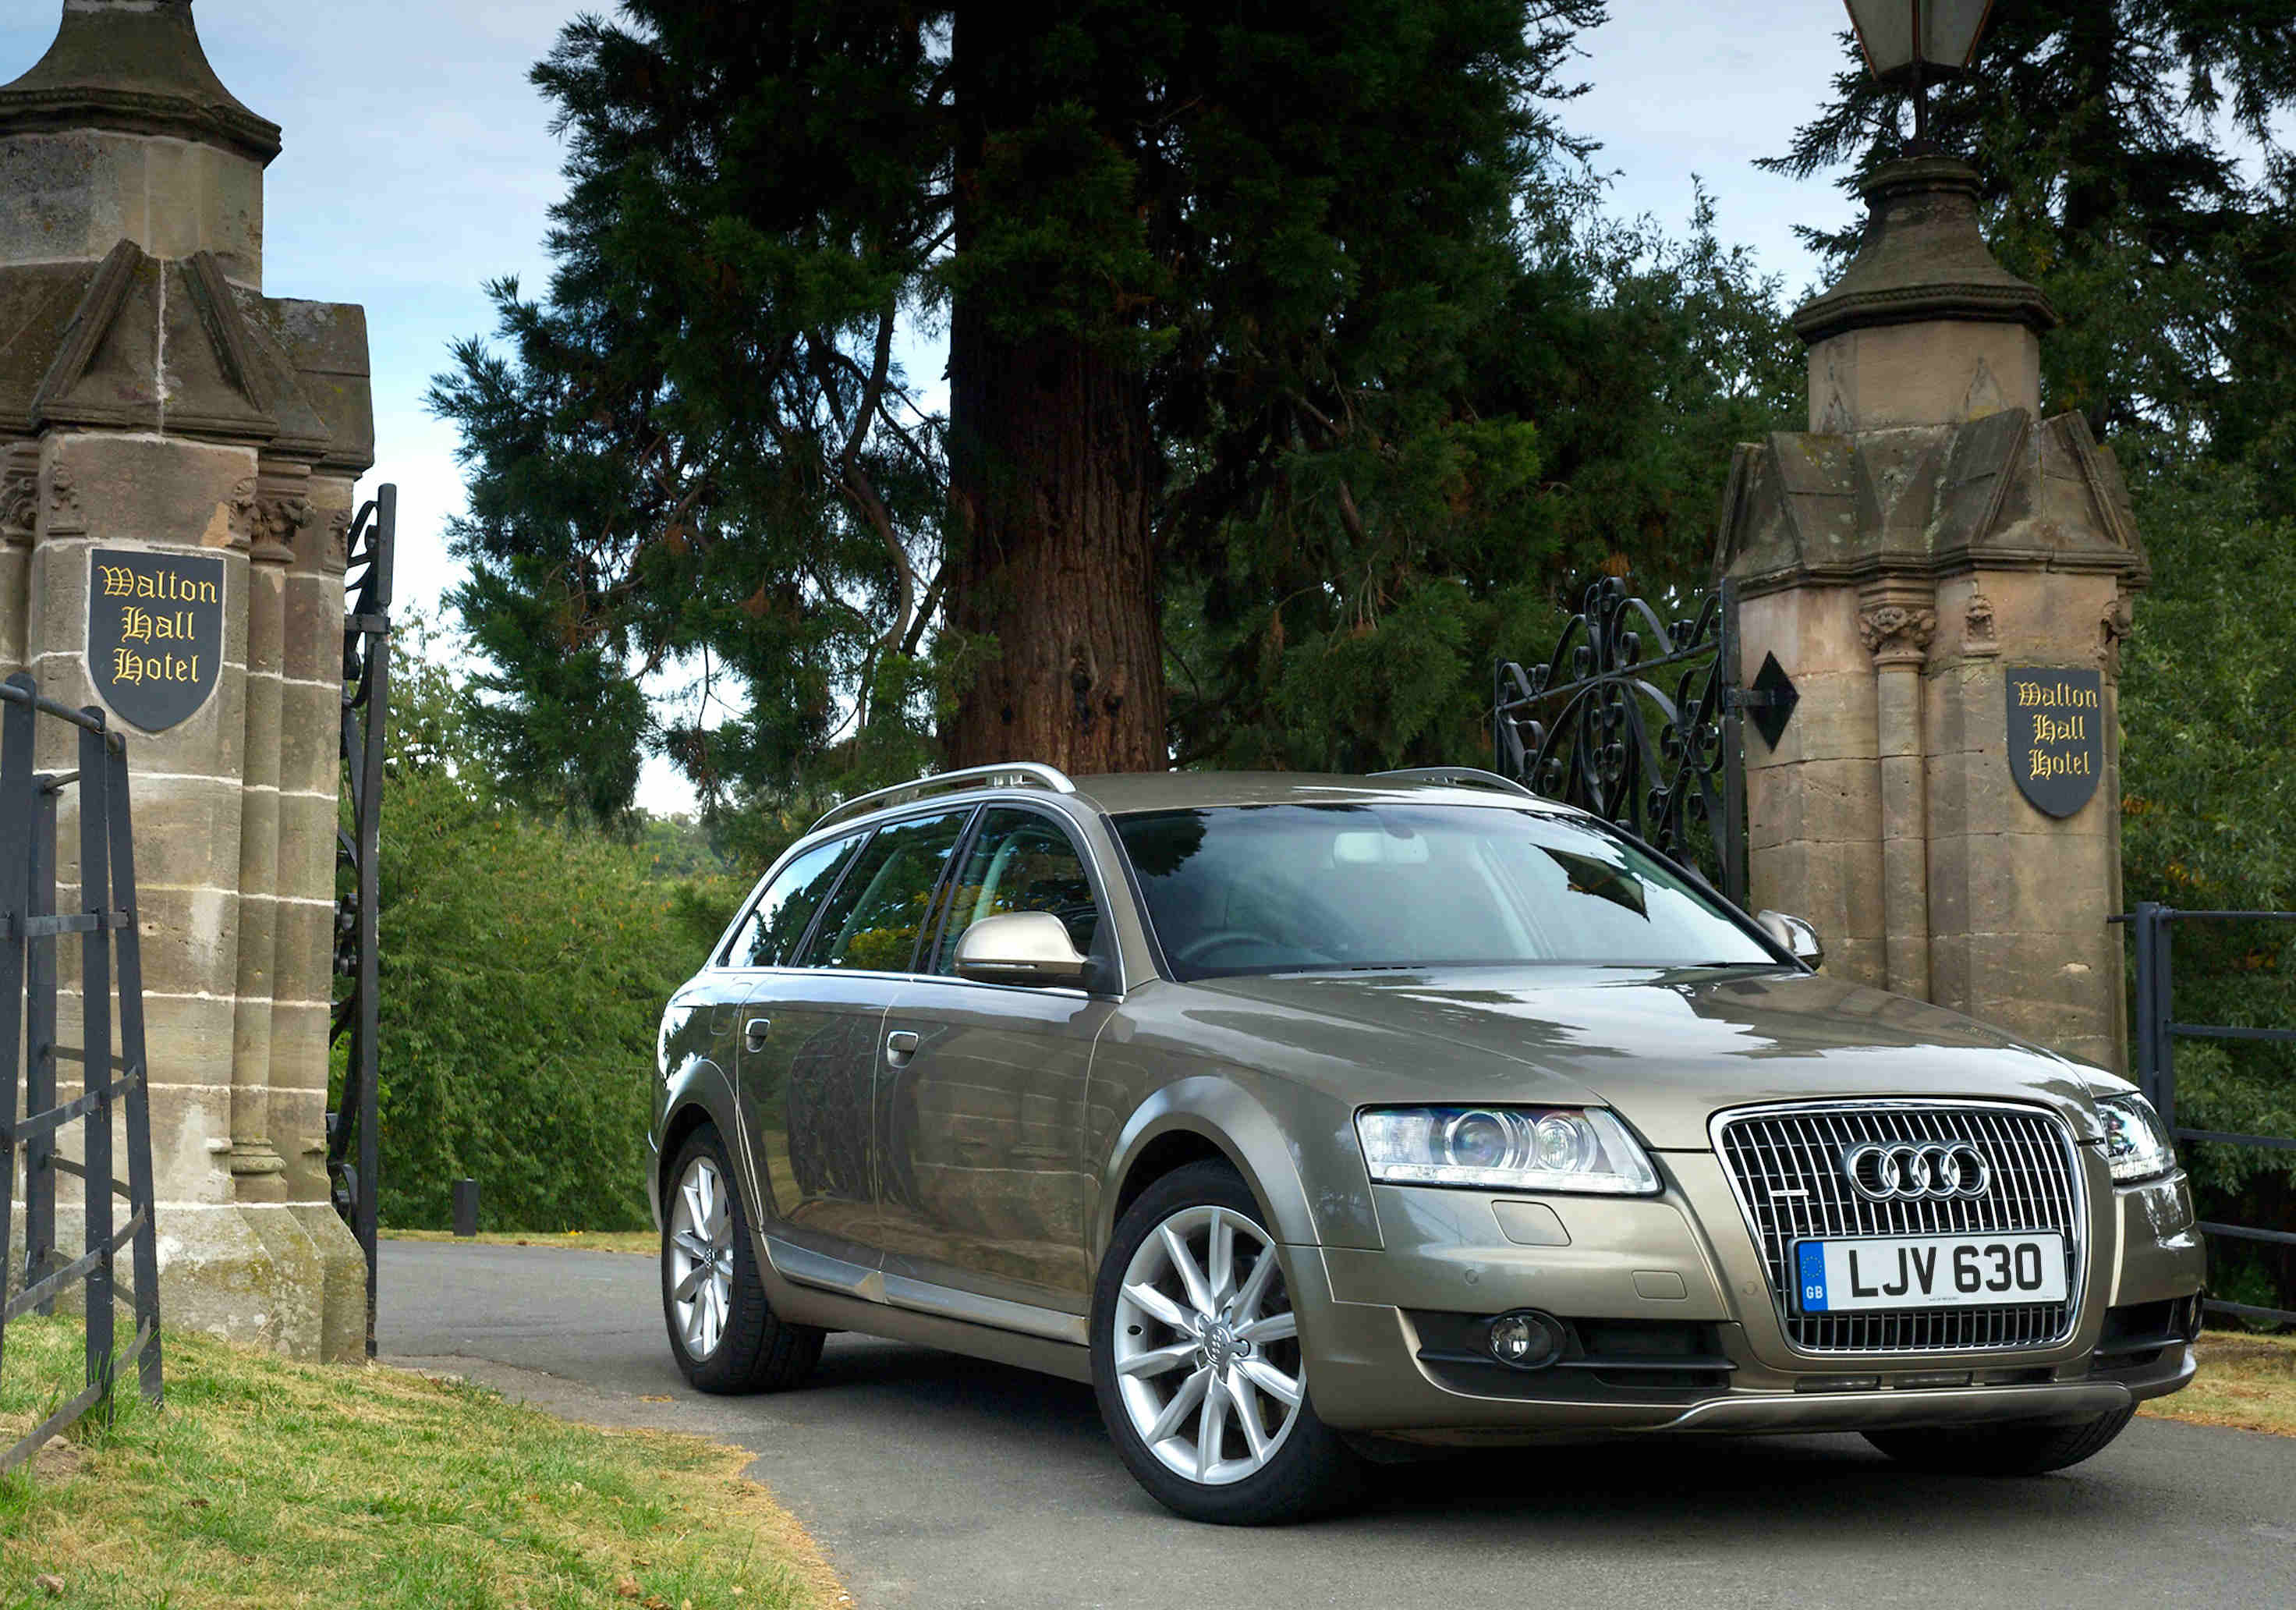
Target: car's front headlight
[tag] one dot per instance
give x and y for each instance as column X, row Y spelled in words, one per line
column 2136, row 1143
column 1506, row 1149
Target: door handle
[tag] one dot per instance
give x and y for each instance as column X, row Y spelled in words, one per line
column 900, row 1044
column 754, row 1033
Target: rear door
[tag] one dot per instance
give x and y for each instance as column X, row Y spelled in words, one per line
column 792, row 1015
column 812, row 1035
column 980, row 1092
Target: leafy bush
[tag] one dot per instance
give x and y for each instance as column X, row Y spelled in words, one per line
column 524, row 965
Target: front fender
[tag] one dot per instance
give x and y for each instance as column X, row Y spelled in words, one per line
column 1237, row 1121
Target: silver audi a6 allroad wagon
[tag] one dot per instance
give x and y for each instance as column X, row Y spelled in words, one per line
column 1312, row 1118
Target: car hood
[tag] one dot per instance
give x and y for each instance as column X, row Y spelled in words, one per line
column 1666, row 1048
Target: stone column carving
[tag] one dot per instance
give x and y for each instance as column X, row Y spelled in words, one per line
column 19, row 515
column 277, row 509
column 1897, row 632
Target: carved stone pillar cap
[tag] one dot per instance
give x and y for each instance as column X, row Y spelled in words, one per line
column 1921, row 259
column 133, row 67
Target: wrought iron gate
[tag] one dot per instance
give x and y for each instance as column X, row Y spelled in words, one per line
column 366, row 702
column 1637, row 719
column 110, row 956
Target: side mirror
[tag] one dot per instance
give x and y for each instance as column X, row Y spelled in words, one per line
column 1799, row 938
column 1020, row 947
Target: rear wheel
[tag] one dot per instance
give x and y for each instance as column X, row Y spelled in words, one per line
column 723, row 1332
column 1197, row 1363
column 2018, row 1449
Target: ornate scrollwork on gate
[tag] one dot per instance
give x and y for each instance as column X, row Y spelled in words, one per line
column 1632, row 717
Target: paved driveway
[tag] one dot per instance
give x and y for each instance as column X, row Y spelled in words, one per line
column 937, row 1482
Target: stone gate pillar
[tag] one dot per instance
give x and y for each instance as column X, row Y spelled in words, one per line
column 178, row 453
column 1946, row 576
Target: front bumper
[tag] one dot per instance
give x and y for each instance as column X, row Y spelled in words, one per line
column 1384, row 1328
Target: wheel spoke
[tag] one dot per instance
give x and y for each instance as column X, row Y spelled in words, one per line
column 1247, row 1413
column 691, row 1191
column 1256, row 1284
column 1272, row 1381
column 1275, row 1327
column 1144, row 1295
column 1211, row 1427
column 692, row 1245
column 1184, row 1403
column 1220, row 1274
column 1184, row 1265
column 697, row 1319
column 1157, row 1360
column 687, row 1288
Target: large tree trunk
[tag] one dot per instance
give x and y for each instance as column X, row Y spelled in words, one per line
column 1052, row 474
column 1052, row 469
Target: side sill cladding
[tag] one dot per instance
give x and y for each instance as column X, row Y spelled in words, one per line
column 1230, row 1119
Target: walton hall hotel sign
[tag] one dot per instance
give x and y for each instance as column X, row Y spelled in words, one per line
column 154, row 632
column 2056, row 736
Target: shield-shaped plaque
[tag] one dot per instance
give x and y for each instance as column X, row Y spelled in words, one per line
column 2056, row 734
column 154, row 632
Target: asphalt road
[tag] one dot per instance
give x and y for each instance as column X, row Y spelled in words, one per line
column 937, row 1482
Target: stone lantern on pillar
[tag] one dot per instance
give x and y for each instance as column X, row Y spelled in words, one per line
column 1946, row 576
column 177, row 455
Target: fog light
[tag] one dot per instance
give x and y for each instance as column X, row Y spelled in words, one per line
column 1524, row 1340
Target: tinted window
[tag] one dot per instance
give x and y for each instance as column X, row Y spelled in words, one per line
column 769, row 934
column 872, row 921
column 1019, row 861
column 1293, row 888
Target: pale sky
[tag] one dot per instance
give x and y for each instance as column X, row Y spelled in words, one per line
column 418, row 164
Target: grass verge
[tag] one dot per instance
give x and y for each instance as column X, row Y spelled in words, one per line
column 2248, row 1383
column 283, row 1484
column 648, row 1242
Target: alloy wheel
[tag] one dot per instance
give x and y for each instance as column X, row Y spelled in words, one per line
column 701, row 1258
column 1207, row 1349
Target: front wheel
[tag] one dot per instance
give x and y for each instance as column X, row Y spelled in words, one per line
column 723, row 1332
column 2018, row 1449
column 1197, row 1363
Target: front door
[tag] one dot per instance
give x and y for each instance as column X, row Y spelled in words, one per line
column 980, row 1092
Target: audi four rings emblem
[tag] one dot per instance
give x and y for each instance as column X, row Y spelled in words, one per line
column 1933, row 1170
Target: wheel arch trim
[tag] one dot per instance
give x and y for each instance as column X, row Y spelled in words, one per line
column 1226, row 1117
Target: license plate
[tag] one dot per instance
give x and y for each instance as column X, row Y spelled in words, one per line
column 1930, row 1271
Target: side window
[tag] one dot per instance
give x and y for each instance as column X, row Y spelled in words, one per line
column 873, row 920
column 1019, row 861
column 775, row 924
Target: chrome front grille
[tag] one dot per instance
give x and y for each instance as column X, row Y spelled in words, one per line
column 1785, row 1164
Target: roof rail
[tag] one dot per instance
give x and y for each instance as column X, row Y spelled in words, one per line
column 1471, row 775
column 1006, row 774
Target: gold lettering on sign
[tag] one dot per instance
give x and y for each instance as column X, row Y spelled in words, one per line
column 128, row 665
column 2059, row 766
column 2055, row 695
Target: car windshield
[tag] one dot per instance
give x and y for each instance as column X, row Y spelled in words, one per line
column 1323, row 888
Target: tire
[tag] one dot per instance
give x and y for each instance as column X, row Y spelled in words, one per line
column 1147, row 1358
column 726, row 1337
column 2021, row 1447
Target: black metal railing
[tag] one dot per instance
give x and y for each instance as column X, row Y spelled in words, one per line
column 32, row 931
column 354, row 1125
column 1636, row 718
column 2153, row 1042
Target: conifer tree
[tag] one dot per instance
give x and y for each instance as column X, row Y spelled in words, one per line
column 1186, row 257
